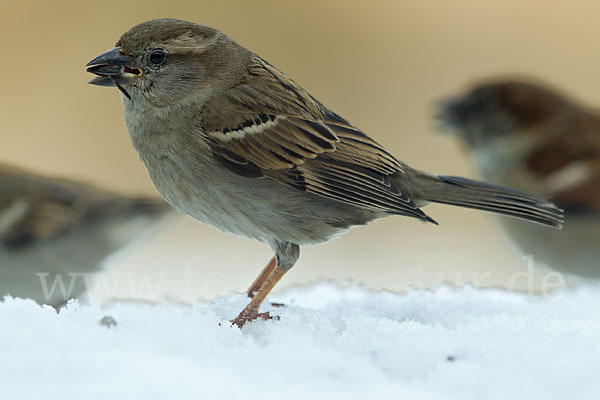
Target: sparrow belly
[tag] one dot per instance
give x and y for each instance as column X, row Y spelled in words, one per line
column 258, row 208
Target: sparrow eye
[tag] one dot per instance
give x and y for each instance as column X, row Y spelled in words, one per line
column 157, row 57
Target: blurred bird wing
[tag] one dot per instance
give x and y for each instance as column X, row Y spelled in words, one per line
column 268, row 126
column 569, row 164
column 34, row 208
column 577, row 186
column 24, row 219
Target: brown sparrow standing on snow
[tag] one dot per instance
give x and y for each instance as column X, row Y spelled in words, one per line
column 61, row 229
column 533, row 138
column 232, row 141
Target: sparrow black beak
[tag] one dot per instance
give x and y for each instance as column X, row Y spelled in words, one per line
column 113, row 68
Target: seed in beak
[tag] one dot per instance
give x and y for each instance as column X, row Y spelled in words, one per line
column 132, row 71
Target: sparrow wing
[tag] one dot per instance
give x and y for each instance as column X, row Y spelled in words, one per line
column 27, row 220
column 35, row 208
column 268, row 126
column 576, row 187
column 569, row 165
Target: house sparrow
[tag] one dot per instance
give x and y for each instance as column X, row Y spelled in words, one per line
column 232, row 141
column 57, row 229
column 533, row 138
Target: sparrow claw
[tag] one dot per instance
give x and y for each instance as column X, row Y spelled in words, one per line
column 244, row 317
column 266, row 316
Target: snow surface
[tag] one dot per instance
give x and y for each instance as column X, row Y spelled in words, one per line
column 330, row 343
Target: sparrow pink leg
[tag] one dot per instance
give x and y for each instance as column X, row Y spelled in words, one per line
column 266, row 272
column 250, row 313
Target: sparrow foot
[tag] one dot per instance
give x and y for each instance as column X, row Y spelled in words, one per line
column 244, row 317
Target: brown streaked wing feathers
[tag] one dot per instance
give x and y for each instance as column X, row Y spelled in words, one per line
column 308, row 147
column 583, row 196
column 38, row 218
column 40, row 208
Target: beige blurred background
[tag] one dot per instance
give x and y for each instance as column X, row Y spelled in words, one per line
column 380, row 64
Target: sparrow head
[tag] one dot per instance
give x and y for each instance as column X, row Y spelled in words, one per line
column 500, row 110
column 167, row 60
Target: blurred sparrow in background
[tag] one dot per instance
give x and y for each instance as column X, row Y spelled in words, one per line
column 56, row 229
column 232, row 141
column 535, row 139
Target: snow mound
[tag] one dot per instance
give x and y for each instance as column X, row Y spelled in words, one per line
column 330, row 342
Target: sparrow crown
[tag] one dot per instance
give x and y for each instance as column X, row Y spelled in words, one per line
column 165, row 32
